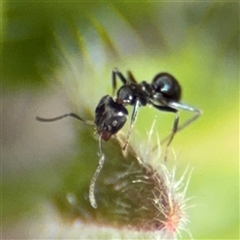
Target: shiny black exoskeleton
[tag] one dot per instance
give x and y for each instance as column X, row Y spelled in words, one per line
column 163, row 93
column 109, row 117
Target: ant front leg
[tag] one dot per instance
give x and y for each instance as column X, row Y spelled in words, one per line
column 133, row 120
column 116, row 73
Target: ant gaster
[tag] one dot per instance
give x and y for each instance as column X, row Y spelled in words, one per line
column 163, row 93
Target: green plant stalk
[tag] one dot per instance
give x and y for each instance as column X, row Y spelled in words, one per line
column 132, row 195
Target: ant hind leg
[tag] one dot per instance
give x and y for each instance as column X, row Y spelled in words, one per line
column 174, row 131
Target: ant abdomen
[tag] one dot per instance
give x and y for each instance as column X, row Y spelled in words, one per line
column 166, row 87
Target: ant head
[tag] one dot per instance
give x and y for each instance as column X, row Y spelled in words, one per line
column 125, row 95
column 167, row 87
column 110, row 117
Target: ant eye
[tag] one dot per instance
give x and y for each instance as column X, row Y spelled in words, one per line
column 109, row 128
column 114, row 123
column 167, row 85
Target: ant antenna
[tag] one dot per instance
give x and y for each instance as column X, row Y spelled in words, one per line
column 100, row 153
column 89, row 122
column 95, row 176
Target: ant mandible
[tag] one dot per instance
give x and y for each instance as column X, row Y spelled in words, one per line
column 164, row 93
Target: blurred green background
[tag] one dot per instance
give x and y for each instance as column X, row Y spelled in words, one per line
column 58, row 57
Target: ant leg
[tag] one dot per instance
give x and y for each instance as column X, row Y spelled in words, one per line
column 116, row 73
column 63, row 116
column 133, row 120
column 95, row 176
column 185, row 107
column 174, row 131
column 174, row 107
column 198, row 113
column 131, row 77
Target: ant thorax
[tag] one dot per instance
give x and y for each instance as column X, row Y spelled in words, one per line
column 130, row 93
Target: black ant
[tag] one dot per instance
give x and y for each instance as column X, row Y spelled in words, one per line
column 164, row 93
